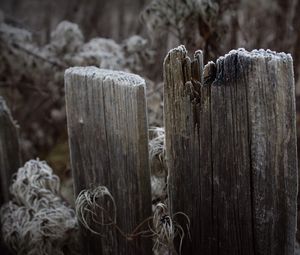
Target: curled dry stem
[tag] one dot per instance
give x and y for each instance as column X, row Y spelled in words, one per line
column 91, row 207
column 166, row 228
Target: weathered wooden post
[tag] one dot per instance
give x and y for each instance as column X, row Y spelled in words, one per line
column 9, row 156
column 231, row 151
column 9, row 150
column 107, row 126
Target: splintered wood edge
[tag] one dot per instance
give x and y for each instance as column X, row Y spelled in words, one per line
column 210, row 70
column 261, row 53
column 118, row 77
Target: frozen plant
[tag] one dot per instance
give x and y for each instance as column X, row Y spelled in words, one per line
column 158, row 167
column 66, row 38
column 37, row 220
column 172, row 15
column 33, row 73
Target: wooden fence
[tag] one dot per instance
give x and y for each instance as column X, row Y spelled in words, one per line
column 230, row 151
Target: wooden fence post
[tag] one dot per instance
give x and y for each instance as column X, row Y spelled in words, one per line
column 231, row 151
column 9, row 150
column 108, row 137
column 9, row 156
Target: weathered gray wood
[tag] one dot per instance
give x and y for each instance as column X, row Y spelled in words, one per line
column 9, row 150
column 185, row 111
column 9, row 156
column 231, row 174
column 272, row 128
column 107, row 125
column 231, row 151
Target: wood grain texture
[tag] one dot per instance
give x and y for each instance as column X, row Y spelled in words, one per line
column 9, row 150
column 231, row 151
column 10, row 159
column 273, row 151
column 186, row 109
column 108, row 137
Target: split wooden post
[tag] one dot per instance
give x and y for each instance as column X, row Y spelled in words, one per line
column 108, row 137
column 9, row 150
column 231, row 151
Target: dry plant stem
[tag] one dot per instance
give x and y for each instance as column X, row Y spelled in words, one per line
column 86, row 206
column 36, row 55
column 164, row 229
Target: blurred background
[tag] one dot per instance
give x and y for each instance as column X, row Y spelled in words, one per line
column 39, row 39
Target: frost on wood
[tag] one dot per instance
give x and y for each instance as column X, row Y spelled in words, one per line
column 231, row 144
column 106, row 111
column 37, row 220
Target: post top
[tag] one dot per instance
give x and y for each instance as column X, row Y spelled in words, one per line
column 259, row 54
column 254, row 54
column 119, row 77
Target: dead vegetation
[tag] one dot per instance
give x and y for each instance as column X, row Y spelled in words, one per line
column 129, row 35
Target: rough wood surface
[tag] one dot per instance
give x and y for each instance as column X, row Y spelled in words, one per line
column 9, row 150
column 272, row 131
column 107, row 125
column 231, row 151
column 9, row 156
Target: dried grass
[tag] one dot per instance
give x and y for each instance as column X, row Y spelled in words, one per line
column 37, row 220
column 96, row 210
